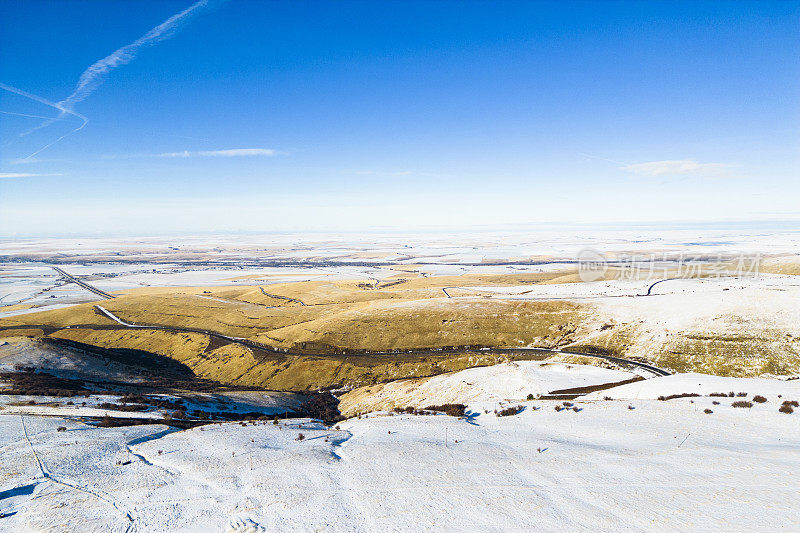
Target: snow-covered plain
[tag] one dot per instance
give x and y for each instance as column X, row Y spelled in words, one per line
column 627, row 463
column 614, row 465
column 486, row 384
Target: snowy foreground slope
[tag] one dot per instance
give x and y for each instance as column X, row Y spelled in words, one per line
column 507, row 381
column 630, row 464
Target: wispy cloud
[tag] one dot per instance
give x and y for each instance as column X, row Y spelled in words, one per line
column 23, row 175
column 674, row 167
column 235, row 152
column 63, row 112
column 24, row 115
column 387, row 173
column 97, row 73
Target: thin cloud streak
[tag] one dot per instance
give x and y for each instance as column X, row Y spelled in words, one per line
column 672, row 167
column 63, row 112
column 10, row 175
column 96, row 74
column 236, row 152
column 24, row 115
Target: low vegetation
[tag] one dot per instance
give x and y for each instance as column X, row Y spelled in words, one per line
column 674, row 396
column 511, row 411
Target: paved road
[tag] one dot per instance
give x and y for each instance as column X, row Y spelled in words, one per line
column 250, row 344
column 650, row 288
column 265, row 293
column 271, row 349
column 83, row 284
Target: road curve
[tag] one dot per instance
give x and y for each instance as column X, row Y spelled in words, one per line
column 251, row 344
column 650, row 288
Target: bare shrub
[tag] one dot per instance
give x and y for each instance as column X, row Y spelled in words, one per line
column 742, row 403
column 715, row 402
column 786, row 408
column 530, row 397
column 759, row 399
column 61, row 429
column 510, row 411
column 452, row 409
column 791, row 403
column 708, row 411
column 300, row 436
column 684, row 395
column 741, row 395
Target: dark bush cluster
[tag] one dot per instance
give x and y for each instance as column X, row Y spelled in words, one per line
column 323, row 406
column 452, row 409
column 510, row 411
column 40, row 384
column 673, row 396
column 566, row 406
column 759, row 399
column 126, row 407
column 742, row 403
column 788, row 406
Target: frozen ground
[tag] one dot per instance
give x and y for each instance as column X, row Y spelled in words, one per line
column 487, row 384
column 430, row 247
column 28, row 284
column 634, row 464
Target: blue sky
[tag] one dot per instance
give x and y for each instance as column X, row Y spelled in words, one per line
column 273, row 116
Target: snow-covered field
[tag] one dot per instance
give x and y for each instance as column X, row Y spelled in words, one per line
column 487, row 384
column 619, row 459
column 629, row 464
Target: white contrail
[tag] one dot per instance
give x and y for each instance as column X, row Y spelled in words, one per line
column 63, row 112
column 24, row 115
column 41, row 100
column 94, row 76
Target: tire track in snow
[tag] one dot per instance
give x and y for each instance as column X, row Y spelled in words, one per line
column 46, row 475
